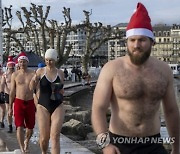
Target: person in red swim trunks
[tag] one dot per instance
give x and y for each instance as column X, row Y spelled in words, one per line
column 24, row 107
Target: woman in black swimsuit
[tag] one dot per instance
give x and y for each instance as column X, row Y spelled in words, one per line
column 50, row 110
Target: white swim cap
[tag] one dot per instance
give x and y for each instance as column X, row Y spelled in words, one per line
column 51, row 54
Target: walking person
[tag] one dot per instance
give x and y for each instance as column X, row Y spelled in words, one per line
column 73, row 71
column 66, row 74
column 24, row 108
column 135, row 86
column 5, row 88
column 2, row 102
column 50, row 109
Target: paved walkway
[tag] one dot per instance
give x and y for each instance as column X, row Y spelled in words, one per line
column 67, row 145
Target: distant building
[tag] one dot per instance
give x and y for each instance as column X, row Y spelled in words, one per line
column 117, row 48
column 163, row 47
column 167, row 46
column 77, row 39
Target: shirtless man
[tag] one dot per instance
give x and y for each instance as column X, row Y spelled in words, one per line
column 5, row 85
column 24, row 108
column 2, row 103
column 134, row 86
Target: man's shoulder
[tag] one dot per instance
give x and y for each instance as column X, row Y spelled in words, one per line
column 30, row 71
column 15, row 72
column 111, row 67
column 160, row 64
column 113, row 64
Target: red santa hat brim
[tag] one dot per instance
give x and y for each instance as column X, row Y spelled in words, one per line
column 23, row 58
column 11, row 63
column 140, row 31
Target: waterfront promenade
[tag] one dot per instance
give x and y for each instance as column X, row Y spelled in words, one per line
column 67, row 145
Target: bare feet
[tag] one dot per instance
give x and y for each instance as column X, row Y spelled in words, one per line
column 22, row 151
column 26, row 149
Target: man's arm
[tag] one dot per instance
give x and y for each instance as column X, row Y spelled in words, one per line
column 2, row 83
column 12, row 93
column 101, row 100
column 35, row 80
column 171, row 113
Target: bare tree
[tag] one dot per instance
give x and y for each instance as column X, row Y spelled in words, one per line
column 96, row 35
column 57, row 33
column 62, row 32
column 38, row 28
column 10, row 33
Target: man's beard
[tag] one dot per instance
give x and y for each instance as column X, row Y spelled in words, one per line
column 141, row 57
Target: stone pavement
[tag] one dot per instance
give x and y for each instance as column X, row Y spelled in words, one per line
column 67, row 145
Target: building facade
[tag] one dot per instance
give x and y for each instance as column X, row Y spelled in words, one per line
column 167, row 47
column 77, row 39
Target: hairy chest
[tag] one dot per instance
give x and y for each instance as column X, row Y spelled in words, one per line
column 148, row 84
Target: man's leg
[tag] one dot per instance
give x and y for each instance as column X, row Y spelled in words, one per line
column 3, row 110
column 9, row 119
column 20, row 138
column 28, row 135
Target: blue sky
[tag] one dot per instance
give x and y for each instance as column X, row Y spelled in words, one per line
column 106, row 11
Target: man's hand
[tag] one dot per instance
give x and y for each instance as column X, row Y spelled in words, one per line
column 111, row 149
column 10, row 111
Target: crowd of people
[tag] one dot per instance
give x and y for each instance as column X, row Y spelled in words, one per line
column 75, row 74
column 27, row 95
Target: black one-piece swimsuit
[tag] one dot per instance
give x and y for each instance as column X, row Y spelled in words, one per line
column 45, row 94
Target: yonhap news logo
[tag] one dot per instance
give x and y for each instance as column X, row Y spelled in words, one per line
column 143, row 140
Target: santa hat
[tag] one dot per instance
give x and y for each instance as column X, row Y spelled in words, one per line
column 23, row 56
column 10, row 61
column 140, row 23
column 51, row 54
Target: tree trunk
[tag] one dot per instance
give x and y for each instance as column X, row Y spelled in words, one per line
column 85, row 62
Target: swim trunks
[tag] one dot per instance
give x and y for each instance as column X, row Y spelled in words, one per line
column 138, row 145
column 6, row 98
column 24, row 113
column 2, row 98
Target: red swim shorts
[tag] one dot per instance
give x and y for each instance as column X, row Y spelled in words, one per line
column 24, row 113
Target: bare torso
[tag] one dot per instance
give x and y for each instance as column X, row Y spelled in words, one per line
column 7, row 80
column 22, row 80
column 136, row 97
